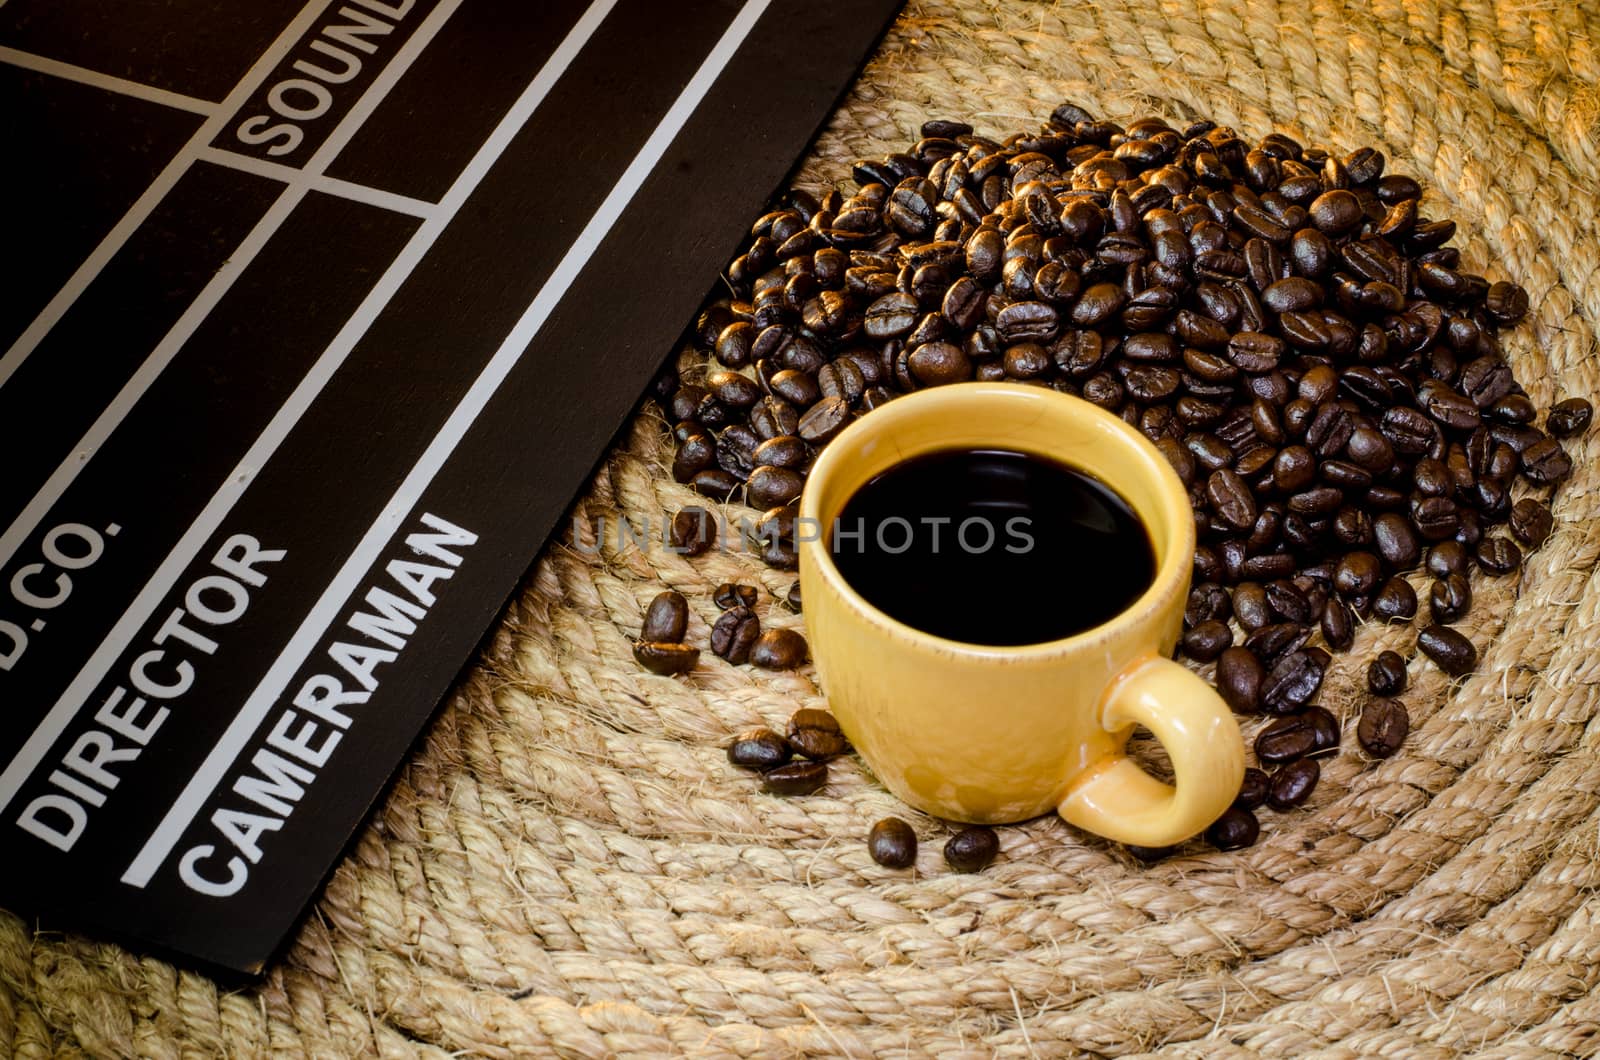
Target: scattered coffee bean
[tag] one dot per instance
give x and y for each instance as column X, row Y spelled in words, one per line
column 1383, row 727
column 792, row 598
column 1292, row 784
column 1569, row 417
column 1396, row 601
column 972, row 848
column 665, row 658
column 1253, row 790
column 1452, row 651
column 778, row 649
column 816, row 734
column 1236, row 828
column 1386, row 675
column 1499, row 555
column 1286, row 740
column 892, row 844
column 1530, row 522
column 666, row 619
column 732, row 594
column 795, row 778
column 1450, row 598
column 759, row 749
column 693, row 530
column 734, row 634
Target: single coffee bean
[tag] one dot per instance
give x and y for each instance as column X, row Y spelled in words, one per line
column 1207, row 640
column 1325, row 727
column 666, row 619
column 1272, row 643
column 1292, row 784
column 1252, row 790
column 697, row 453
column 773, row 487
column 1286, row 740
column 1396, row 601
column 824, row 420
column 1293, row 295
column 1569, row 417
column 892, row 844
column 665, row 658
column 733, row 594
column 1338, row 624
column 1239, row 679
column 1251, row 606
column 1499, row 555
column 1436, row 518
column 759, row 749
column 1207, row 601
column 1506, row 302
column 1383, row 727
column 1530, row 522
column 1292, row 682
column 792, row 597
column 715, row 482
column 1231, row 499
column 1357, row 574
column 1287, row 602
column 1353, row 527
column 1453, row 652
column 693, row 530
column 815, row 734
column 1335, row 212
column 1545, row 462
column 1450, row 598
column 795, row 778
column 972, row 849
column 1386, row 675
column 778, row 649
column 938, row 363
column 1396, row 540
column 1431, row 477
column 734, row 633
column 1447, row 558
column 1235, row 829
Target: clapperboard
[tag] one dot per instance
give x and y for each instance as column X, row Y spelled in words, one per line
column 316, row 320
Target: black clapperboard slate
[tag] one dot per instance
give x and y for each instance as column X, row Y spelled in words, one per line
column 317, row 317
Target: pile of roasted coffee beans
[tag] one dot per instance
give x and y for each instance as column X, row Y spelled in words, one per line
column 1282, row 321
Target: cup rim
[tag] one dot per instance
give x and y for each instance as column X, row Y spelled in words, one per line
column 1172, row 572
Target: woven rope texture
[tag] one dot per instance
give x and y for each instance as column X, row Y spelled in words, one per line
column 570, row 867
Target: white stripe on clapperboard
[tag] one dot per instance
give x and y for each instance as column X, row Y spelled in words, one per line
column 311, row 177
column 68, row 72
column 355, row 568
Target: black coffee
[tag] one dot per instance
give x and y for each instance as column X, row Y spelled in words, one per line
column 990, row 546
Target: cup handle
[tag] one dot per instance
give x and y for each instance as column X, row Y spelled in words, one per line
column 1118, row 800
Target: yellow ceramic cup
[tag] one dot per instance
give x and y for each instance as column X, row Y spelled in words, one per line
column 995, row 734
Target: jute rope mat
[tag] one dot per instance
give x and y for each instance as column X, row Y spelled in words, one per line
column 570, row 867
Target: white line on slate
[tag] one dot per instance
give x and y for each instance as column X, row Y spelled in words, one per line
column 121, row 86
